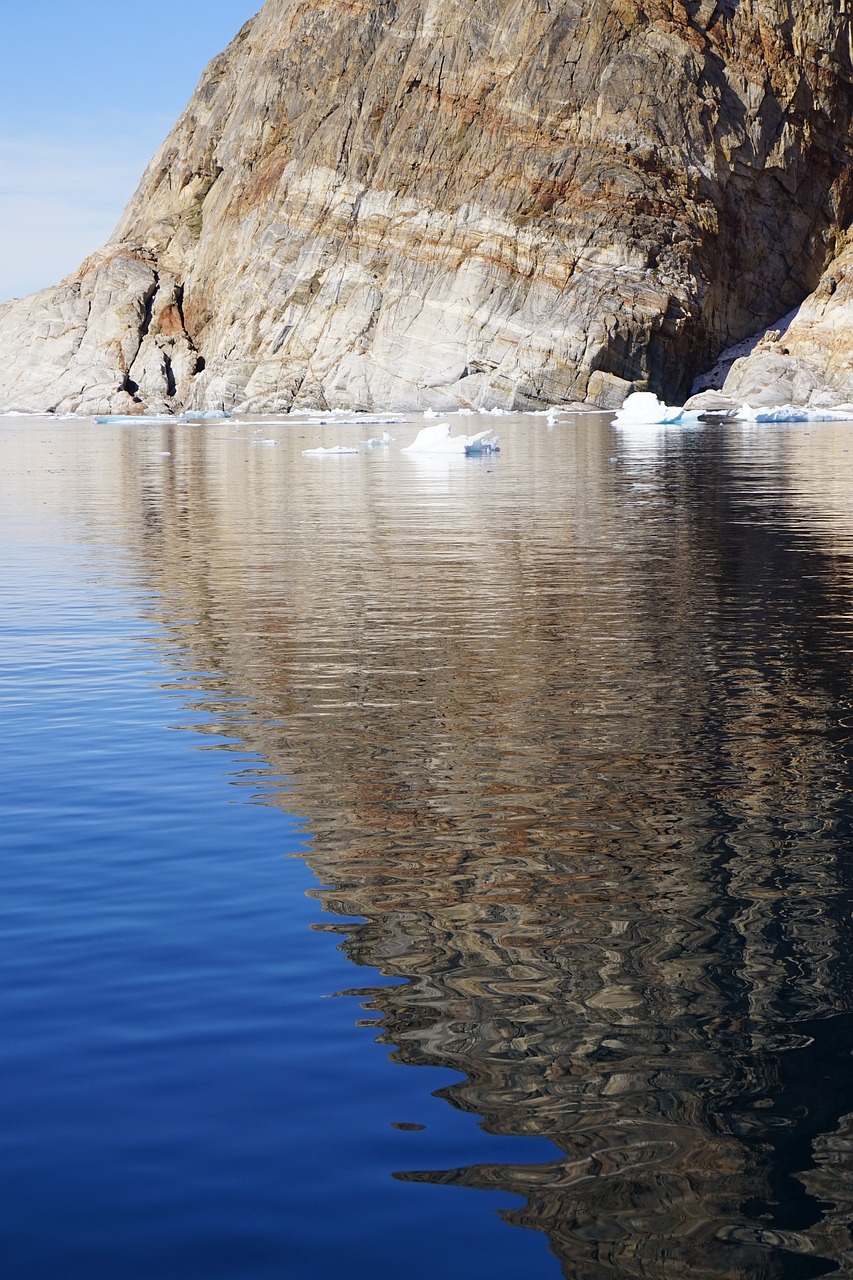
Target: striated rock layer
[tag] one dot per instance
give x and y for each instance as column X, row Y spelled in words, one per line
column 415, row 202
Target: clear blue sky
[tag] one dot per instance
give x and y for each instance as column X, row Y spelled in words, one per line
column 88, row 91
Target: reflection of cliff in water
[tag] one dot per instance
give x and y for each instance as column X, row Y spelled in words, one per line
column 570, row 735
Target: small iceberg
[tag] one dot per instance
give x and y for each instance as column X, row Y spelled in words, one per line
column 438, row 440
column 793, row 413
column 643, row 409
column 336, row 451
column 204, row 415
column 377, row 442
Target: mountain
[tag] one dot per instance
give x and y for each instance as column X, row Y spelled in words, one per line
column 404, row 203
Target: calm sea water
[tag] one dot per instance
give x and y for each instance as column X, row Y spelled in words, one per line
column 398, row 853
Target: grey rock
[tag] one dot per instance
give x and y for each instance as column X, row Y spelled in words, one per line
column 607, row 391
column 712, row 403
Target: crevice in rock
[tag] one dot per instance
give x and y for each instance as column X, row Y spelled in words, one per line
column 148, row 303
column 281, row 339
column 179, row 303
column 171, row 386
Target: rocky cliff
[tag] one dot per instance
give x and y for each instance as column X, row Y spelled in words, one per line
column 402, row 203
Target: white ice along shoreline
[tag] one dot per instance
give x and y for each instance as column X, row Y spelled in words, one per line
column 795, row 413
column 640, row 409
column 158, row 419
column 643, row 409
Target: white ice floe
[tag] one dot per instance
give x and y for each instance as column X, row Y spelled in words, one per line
column 430, row 413
column 204, row 415
column 438, row 440
column 158, row 419
column 337, row 419
column 132, row 419
column 794, row 413
column 643, row 409
column 377, row 442
column 336, row 451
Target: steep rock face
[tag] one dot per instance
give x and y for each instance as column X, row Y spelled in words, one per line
column 808, row 358
column 412, row 202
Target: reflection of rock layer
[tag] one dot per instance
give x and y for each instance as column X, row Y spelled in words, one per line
column 417, row 201
column 576, row 762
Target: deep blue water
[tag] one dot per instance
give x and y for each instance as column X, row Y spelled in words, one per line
column 426, row 868
column 182, row 1093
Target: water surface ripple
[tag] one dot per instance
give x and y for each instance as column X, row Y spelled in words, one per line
column 569, row 729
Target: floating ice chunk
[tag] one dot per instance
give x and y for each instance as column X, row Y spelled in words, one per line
column 204, row 415
column 336, row 451
column 377, row 442
column 430, row 413
column 642, row 409
column 352, row 420
column 482, row 442
column 263, row 442
column 793, row 413
column 465, row 413
column 133, row 419
column 341, row 418
column 438, row 439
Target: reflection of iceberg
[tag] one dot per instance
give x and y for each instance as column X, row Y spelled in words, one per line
column 793, row 413
column 438, row 440
column 646, row 441
column 642, row 408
